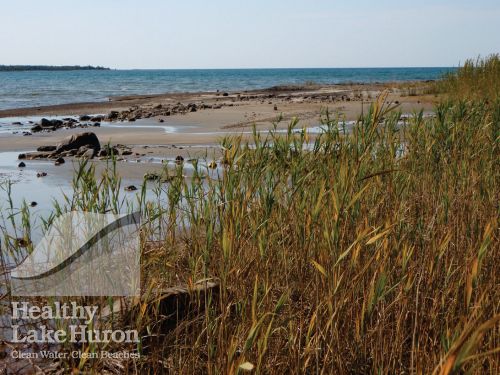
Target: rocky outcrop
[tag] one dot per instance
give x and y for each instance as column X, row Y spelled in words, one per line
column 75, row 141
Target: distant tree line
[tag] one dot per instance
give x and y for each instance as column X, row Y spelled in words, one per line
column 20, row 68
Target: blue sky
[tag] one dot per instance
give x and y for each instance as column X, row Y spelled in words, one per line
column 240, row 34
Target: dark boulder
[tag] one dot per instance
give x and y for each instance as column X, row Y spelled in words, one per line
column 21, row 165
column 75, row 141
column 45, row 123
column 59, row 161
column 36, row 128
column 85, row 118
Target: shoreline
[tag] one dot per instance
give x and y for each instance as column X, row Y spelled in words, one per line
column 123, row 102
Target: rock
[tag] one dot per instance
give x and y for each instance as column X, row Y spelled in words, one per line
column 45, row 123
column 151, row 176
column 56, row 123
column 275, row 107
column 69, row 153
column 161, row 120
column 130, row 188
column 17, row 123
column 41, row 174
column 113, row 115
column 46, row 148
column 225, row 94
column 21, row 165
column 125, row 152
column 179, row 159
column 96, row 119
column 75, row 141
column 97, row 125
column 212, row 164
column 85, row 152
column 33, row 204
column 107, row 151
column 21, row 156
column 84, row 118
column 36, row 128
column 36, row 155
column 89, row 154
column 59, row 161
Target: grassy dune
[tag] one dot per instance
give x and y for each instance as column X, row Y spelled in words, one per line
column 370, row 252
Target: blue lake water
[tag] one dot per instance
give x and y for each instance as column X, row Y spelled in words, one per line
column 37, row 88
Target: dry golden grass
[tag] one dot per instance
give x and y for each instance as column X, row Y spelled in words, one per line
column 374, row 251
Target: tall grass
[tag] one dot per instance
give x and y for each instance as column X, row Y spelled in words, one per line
column 476, row 79
column 370, row 251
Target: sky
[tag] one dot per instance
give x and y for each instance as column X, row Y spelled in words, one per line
column 149, row 34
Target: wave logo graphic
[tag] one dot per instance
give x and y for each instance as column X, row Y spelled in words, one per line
column 83, row 254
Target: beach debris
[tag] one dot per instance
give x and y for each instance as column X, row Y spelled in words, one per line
column 41, row 174
column 21, row 165
column 130, row 188
column 33, row 204
column 59, row 161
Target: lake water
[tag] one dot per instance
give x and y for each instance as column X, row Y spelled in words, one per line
column 37, row 88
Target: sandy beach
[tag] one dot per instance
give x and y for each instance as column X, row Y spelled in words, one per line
column 230, row 113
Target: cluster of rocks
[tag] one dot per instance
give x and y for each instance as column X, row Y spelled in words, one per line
column 137, row 112
column 84, row 145
column 66, row 123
